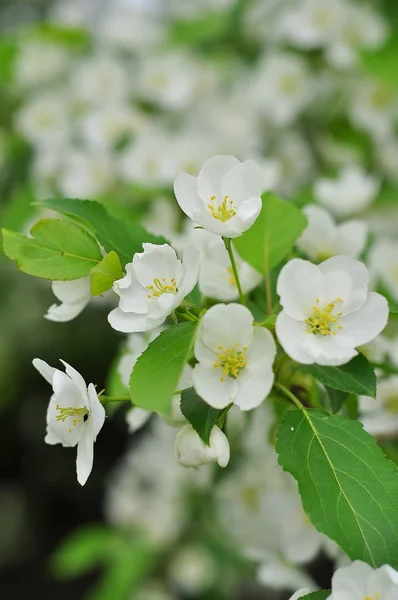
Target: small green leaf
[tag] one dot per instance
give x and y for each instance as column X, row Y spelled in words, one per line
column 356, row 377
column 321, row 595
column 349, row 489
column 124, row 237
column 57, row 250
column 105, row 274
column 336, row 398
column 273, row 235
column 82, row 551
column 200, row 415
column 156, row 373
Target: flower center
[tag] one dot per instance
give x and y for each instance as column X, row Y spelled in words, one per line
column 76, row 414
column 161, row 286
column 231, row 361
column 375, row 597
column 224, row 211
column 323, row 320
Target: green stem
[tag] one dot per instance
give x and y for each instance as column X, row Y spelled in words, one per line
column 107, row 399
column 290, row 395
column 187, row 316
column 228, row 246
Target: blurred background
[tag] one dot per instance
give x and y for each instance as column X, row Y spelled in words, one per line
column 109, row 100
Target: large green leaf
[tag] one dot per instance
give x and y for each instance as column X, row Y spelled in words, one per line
column 348, row 487
column 273, row 235
column 200, row 415
column 105, row 274
column 356, row 377
column 156, row 373
column 57, row 250
column 124, row 237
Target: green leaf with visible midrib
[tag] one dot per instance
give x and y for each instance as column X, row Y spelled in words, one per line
column 348, row 487
column 156, row 373
column 125, row 237
column 57, row 250
column 105, row 274
column 273, row 234
column 356, row 377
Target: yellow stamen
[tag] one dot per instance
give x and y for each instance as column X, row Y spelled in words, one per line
column 231, row 361
column 323, row 320
column 70, row 412
column 224, row 211
column 160, row 287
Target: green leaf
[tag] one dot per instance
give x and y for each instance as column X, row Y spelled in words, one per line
column 348, row 487
column 82, row 551
column 57, row 250
column 336, row 398
column 322, row 595
column 124, row 237
column 393, row 308
column 356, row 377
column 273, row 235
column 383, row 64
column 105, row 274
column 156, row 373
column 200, row 415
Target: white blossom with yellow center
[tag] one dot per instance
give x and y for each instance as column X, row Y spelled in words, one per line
column 235, row 358
column 327, row 310
column 75, row 415
column 156, row 283
column 360, row 582
column 225, row 198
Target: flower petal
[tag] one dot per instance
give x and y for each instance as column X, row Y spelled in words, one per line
column 359, row 276
column 243, row 181
column 136, row 418
column 227, row 325
column 62, row 313
column 186, row 193
column 85, row 455
column 97, row 411
column 207, row 383
column 247, row 213
column 291, row 335
column 132, row 323
column 253, row 388
column 365, row 324
column 209, row 181
column 44, row 369
column 299, row 285
column 70, row 292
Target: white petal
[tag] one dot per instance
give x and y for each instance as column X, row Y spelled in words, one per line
column 63, row 313
column 209, row 223
column 207, row 383
column 217, row 329
column 366, row 324
column 246, row 214
column 202, row 353
column 299, row 285
column 253, row 388
column 359, row 276
column 262, row 350
column 69, row 292
column 59, row 432
column 316, row 240
column 186, row 194
column 219, row 446
column 136, row 418
column 131, row 322
column 85, row 455
column 133, row 296
column 44, row 369
column 351, row 582
column 291, row 335
column 350, row 238
column 157, row 262
column 77, row 380
column 97, row 411
column 190, row 271
column 209, row 182
column 242, row 181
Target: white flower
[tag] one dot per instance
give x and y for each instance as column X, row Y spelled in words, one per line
column 235, row 358
column 191, row 451
column 351, row 192
column 359, row 581
column 216, row 278
column 105, row 126
column 312, row 23
column 100, row 80
column 380, row 416
column 282, row 88
column 40, row 62
column 327, row 310
column 383, row 266
column 323, row 238
column 86, row 174
column 75, row 415
column 192, row 570
column 155, row 285
column 74, row 297
column 225, row 198
column 45, row 120
column 300, row 593
column 373, row 107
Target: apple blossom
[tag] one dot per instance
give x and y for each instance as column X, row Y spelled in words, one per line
column 74, row 297
column 191, row 451
column 327, row 310
column 156, row 283
column 225, row 198
column 383, row 265
column 323, row 238
column 75, row 415
column 359, row 581
column 235, row 358
column 312, row 23
column 350, row 193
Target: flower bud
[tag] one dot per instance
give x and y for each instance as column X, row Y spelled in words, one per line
column 191, row 451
